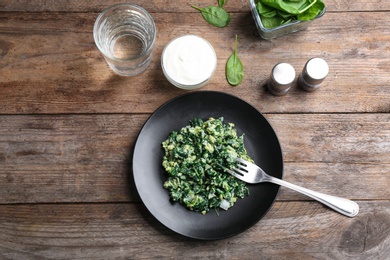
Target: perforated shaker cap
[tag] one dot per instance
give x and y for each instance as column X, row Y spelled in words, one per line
column 282, row 75
column 315, row 71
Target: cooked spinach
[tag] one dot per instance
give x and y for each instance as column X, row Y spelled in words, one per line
column 274, row 13
column 214, row 15
column 234, row 67
column 195, row 158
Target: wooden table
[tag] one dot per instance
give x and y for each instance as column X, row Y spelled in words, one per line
column 68, row 127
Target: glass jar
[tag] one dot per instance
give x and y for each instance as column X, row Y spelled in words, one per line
column 188, row 62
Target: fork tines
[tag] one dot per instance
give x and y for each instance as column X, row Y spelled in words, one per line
column 240, row 171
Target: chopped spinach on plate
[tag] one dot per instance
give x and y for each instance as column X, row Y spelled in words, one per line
column 195, row 160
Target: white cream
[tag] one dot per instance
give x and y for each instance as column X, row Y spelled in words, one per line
column 189, row 61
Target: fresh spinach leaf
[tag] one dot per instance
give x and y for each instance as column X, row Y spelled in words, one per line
column 234, row 67
column 285, row 15
column 312, row 12
column 274, row 13
column 221, row 3
column 272, row 22
column 214, row 15
column 290, row 6
column 266, row 11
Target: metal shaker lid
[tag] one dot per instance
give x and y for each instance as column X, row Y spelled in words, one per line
column 315, row 71
column 282, row 75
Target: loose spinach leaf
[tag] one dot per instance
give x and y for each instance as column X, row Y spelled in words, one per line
column 221, row 3
column 234, row 68
column 214, row 15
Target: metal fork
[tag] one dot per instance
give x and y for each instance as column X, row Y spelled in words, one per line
column 251, row 173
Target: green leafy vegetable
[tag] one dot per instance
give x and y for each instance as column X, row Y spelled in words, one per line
column 214, row 15
column 274, row 13
column 195, row 158
column 290, row 6
column 312, row 12
column 271, row 17
column 234, row 67
column 221, row 3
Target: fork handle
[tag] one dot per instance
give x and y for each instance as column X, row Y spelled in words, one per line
column 341, row 205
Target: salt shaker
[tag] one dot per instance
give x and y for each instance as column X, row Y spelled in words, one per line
column 314, row 72
column 281, row 78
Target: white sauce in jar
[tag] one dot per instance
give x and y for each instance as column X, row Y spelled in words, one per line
column 189, row 61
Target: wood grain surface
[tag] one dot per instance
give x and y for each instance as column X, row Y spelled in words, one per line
column 68, row 126
column 49, row 68
column 294, row 230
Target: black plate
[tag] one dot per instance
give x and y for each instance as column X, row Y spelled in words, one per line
column 261, row 144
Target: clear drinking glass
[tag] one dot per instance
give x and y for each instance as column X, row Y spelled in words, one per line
column 125, row 35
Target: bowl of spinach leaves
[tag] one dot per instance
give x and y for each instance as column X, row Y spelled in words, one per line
column 275, row 18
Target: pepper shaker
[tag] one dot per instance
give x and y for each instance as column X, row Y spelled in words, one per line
column 314, row 72
column 281, row 78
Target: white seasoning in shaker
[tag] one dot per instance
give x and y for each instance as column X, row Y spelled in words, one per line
column 313, row 74
column 281, row 78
